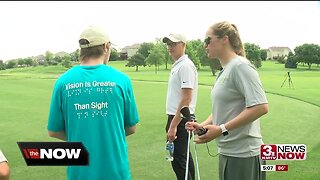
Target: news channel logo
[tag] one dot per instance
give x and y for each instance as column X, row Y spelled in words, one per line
column 54, row 153
column 283, row 152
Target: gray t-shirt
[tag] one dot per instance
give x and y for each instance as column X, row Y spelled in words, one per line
column 237, row 88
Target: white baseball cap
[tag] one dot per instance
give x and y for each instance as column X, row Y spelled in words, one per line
column 94, row 36
column 175, row 38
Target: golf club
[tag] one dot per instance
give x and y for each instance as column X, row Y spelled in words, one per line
column 185, row 111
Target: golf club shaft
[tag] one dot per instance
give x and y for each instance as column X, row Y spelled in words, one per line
column 188, row 152
column 195, row 153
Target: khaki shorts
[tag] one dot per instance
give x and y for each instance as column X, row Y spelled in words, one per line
column 234, row 168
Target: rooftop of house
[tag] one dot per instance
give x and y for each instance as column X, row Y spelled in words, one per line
column 61, row 54
column 276, row 48
column 133, row 46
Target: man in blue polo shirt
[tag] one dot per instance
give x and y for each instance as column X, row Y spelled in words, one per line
column 94, row 103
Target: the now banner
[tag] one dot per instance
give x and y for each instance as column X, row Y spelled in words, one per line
column 54, row 153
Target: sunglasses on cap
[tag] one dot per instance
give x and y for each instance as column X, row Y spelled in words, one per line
column 207, row 40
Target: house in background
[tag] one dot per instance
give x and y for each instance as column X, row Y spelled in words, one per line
column 61, row 54
column 129, row 51
column 277, row 52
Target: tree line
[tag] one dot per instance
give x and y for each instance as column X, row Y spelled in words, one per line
column 156, row 54
column 49, row 59
column 306, row 54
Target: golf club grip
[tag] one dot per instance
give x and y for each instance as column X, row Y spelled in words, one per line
column 202, row 131
column 185, row 111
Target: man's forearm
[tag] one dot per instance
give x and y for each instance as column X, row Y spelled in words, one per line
column 59, row 135
column 185, row 101
column 130, row 130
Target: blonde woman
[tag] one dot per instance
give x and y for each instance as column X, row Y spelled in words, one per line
column 238, row 101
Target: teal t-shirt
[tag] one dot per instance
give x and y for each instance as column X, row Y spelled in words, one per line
column 93, row 105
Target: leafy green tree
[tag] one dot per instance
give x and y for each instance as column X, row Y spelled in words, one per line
column 163, row 49
column 2, row 65
column 28, row 61
column 136, row 61
column 263, row 54
column 204, row 59
column 40, row 59
column 308, row 53
column 11, row 64
column 53, row 62
column 75, row 55
column 281, row 59
column 48, row 56
column 66, row 62
column 114, row 55
column 192, row 51
column 167, row 58
column 156, row 57
column 145, row 49
column 291, row 61
column 20, row 62
column 253, row 54
column 214, row 64
column 57, row 59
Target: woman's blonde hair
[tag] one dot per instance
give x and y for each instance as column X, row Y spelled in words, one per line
column 224, row 28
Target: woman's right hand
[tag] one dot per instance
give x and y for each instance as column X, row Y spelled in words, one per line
column 192, row 126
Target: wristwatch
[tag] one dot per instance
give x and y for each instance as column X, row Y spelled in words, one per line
column 224, row 130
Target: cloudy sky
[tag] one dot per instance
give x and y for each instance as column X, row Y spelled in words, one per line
column 31, row 28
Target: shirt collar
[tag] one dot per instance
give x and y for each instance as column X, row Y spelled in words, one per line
column 183, row 57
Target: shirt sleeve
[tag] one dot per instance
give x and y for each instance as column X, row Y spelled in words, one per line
column 56, row 121
column 131, row 117
column 188, row 76
column 248, row 83
column 2, row 157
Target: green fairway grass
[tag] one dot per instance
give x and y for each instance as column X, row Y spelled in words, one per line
column 293, row 118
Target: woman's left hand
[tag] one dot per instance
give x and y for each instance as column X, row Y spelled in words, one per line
column 213, row 132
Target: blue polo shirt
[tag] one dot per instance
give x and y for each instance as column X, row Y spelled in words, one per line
column 93, row 105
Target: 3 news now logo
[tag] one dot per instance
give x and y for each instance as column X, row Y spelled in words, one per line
column 54, row 153
column 283, row 152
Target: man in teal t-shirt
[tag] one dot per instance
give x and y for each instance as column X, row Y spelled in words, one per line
column 94, row 104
